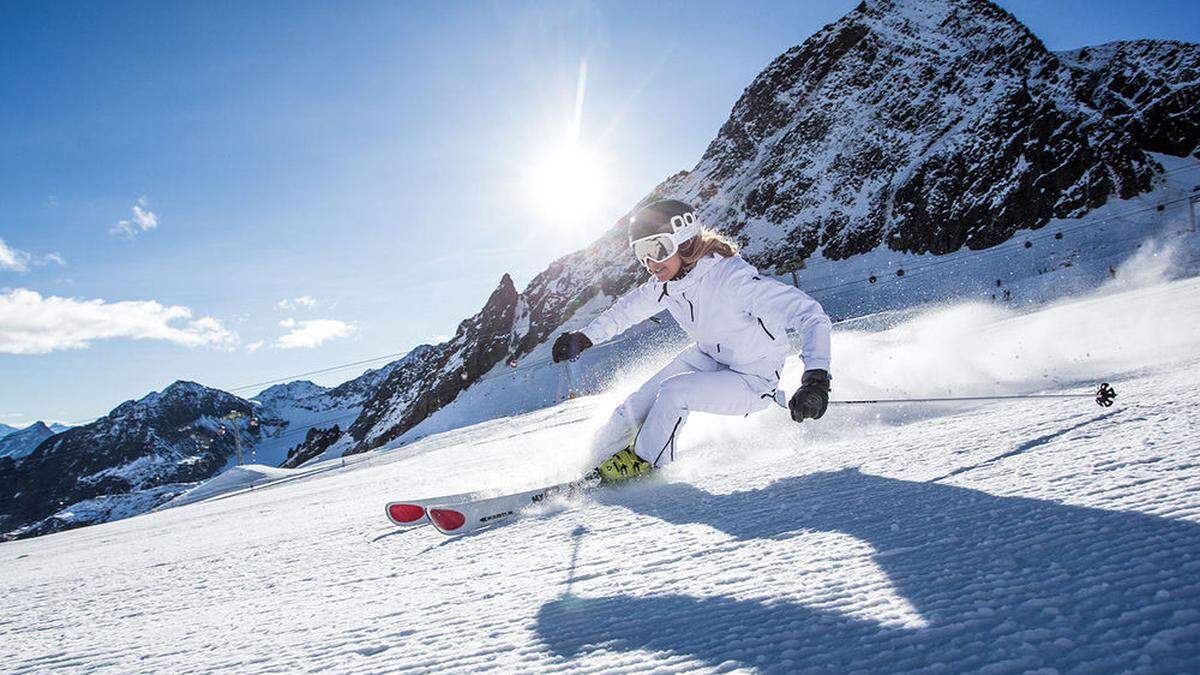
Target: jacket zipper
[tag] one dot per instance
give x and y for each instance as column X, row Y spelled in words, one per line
column 764, row 327
column 691, row 308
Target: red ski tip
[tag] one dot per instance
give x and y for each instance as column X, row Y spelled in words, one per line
column 405, row 513
column 447, row 520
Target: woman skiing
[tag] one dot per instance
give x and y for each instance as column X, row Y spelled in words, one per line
column 738, row 321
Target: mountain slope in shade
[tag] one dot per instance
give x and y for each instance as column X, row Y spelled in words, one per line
column 6, row 430
column 22, row 442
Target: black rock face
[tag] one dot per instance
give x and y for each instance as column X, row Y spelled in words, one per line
column 316, row 441
column 1149, row 88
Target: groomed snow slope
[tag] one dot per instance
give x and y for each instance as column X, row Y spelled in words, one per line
column 1014, row 536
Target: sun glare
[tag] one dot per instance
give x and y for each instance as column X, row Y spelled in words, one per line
column 566, row 184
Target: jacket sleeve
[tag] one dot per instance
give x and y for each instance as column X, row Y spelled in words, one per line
column 633, row 308
column 788, row 306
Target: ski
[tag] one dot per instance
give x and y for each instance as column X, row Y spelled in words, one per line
column 415, row 512
column 470, row 515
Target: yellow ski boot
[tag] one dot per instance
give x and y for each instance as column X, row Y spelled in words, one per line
column 623, row 466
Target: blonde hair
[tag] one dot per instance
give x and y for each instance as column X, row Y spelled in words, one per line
column 704, row 244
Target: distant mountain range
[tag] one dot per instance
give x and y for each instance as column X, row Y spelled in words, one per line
column 913, row 126
column 18, row 443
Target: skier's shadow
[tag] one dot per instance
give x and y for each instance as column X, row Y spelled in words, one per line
column 1025, row 582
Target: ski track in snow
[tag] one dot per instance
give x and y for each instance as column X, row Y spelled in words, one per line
column 1048, row 534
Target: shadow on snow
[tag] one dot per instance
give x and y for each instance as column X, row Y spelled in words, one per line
column 1024, row 582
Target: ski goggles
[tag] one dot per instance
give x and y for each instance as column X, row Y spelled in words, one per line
column 655, row 248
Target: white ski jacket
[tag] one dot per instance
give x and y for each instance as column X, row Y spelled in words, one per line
column 735, row 316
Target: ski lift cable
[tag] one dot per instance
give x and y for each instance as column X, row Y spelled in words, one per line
column 320, row 371
column 916, row 271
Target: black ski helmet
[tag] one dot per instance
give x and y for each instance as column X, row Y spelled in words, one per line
column 665, row 216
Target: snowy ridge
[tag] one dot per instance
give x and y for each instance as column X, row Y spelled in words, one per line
column 993, row 537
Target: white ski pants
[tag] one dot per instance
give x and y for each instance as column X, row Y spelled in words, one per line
column 691, row 381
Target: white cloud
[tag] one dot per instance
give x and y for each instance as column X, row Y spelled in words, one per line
column 12, row 259
column 33, row 324
column 16, row 260
column 309, row 334
column 305, row 301
column 255, row 346
column 143, row 219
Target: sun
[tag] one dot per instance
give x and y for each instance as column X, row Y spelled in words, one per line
column 566, row 183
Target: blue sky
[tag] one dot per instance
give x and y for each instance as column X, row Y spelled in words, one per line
column 171, row 172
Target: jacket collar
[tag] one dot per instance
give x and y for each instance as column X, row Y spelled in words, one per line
column 690, row 280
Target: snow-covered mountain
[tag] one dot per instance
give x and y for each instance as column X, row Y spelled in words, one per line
column 148, row 451
column 6, row 430
column 139, row 455
column 20, row 443
column 431, row 377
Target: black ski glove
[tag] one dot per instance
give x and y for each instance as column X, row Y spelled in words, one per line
column 568, row 346
column 812, row 398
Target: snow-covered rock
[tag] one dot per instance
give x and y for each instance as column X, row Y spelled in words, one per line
column 1149, row 88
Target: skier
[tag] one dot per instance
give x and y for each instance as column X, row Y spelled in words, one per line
column 737, row 320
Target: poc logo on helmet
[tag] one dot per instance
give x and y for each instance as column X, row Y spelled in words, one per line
column 683, row 220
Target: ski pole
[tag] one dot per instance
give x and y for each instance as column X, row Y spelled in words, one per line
column 570, row 378
column 1103, row 396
